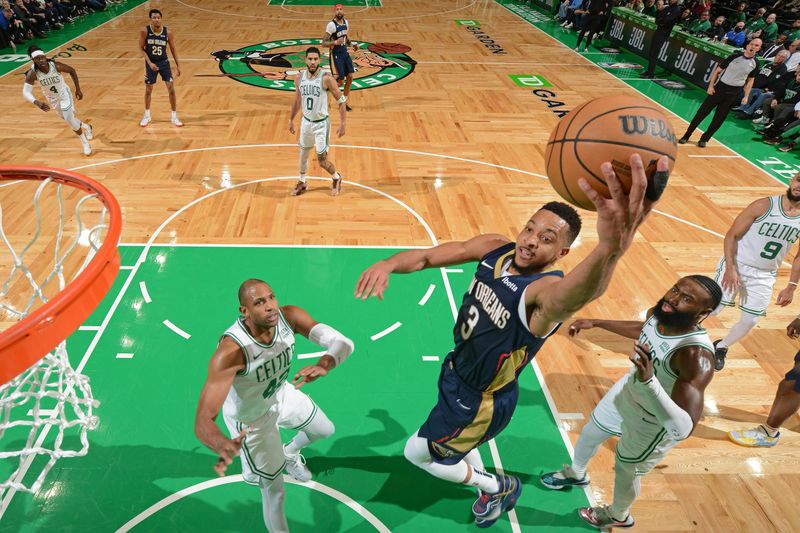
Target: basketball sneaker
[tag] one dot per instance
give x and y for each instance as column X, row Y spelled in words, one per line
column 336, row 186
column 87, row 150
column 145, row 121
column 299, row 188
column 566, row 477
column 296, row 467
column 177, row 122
column 87, row 130
column 719, row 356
column 756, row 437
column 488, row 507
column 600, row 517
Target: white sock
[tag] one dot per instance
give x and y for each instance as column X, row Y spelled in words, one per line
column 626, row 489
column 147, row 113
column 174, row 115
column 303, row 178
column 739, row 330
column 337, row 176
column 272, row 500
column 769, row 430
column 592, row 437
column 319, row 428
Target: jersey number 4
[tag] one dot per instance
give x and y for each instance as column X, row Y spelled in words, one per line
column 53, row 89
column 771, row 250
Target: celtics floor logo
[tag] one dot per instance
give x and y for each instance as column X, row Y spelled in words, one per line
column 273, row 64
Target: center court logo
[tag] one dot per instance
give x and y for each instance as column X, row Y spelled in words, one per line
column 273, row 64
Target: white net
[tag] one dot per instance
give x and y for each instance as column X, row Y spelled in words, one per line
column 46, row 411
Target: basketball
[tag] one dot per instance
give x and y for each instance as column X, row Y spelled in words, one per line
column 389, row 48
column 610, row 128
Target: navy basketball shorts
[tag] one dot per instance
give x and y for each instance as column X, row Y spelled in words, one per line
column 162, row 67
column 464, row 418
column 343, row 65
column 794, row 373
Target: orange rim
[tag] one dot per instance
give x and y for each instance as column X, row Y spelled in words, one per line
column 40, row 332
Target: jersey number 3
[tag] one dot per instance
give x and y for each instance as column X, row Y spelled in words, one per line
column 469, row 323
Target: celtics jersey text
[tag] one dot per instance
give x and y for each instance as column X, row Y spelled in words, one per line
column 156, row 44
column 493, row 342
column 53, row 86
column 313, row 96
column 267, row 366
column 662, row 349
column 768, row 240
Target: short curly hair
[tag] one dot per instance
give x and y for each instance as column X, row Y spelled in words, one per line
column 568, row 214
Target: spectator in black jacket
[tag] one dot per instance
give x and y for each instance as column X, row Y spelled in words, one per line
column 665, row 20
column 717, row 30
column 596, row 11
column 770, row 82
column 781, row 110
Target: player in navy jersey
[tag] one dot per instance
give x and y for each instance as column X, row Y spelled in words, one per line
column 336, row 36
column 514, row 303
column 153, row 42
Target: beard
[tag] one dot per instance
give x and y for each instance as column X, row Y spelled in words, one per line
column 792, row 197
column 675, row 319
column 312, row 71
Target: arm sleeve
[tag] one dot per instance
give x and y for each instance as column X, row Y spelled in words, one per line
column 337, row 345
column 27, row 92
column 652, row 396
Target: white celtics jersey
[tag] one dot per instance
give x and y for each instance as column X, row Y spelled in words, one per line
column 267, row 366
column 313, row 96
column 768, row 240
column 53, row 86
column 662, row 348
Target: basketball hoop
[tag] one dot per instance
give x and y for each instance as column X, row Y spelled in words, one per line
column 39, row 389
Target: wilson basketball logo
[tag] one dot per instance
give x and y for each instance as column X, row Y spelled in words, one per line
column 273, row 64
column 642, row 125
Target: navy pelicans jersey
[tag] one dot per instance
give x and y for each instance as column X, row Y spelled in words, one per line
column 339, row 30
column 156, row 44
column 492, row 337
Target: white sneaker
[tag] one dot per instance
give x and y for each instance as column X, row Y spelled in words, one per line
column 296, row 467
column 87, row 150
column 87, row 130
column 177, row 122
column 145, row 121
column 762, row 120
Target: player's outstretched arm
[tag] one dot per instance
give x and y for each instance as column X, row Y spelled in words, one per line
column 624, row 328
column 227, row 360
column 681, row 412
column 743, row 221
column 375, row 279
column 551, row 300
column 337, row 346
column 63, row 67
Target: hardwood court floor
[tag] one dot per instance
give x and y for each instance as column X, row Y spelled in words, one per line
column 462, row 146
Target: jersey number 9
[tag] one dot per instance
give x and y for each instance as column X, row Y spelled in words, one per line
column 771, row 250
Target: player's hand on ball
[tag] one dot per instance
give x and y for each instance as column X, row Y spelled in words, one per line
column 793, row 329
column 619, row 217
column 578, row 325
column 308, row 374
column 373, row 281
column 227, row 451
column 641, row 360
column 291, row 127
column 786, row 296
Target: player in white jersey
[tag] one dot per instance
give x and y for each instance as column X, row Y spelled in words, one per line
column 755, row 247
column 653, row 407
column 311, row 95
column 49, row 75
column 245, row 376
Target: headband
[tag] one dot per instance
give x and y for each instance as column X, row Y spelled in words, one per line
column 338, row 6
column 37, row 53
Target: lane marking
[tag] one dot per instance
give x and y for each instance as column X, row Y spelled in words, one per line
column 176, row 329
column 386, row 331
column 427, row 295
column 430, row 357
column 145, row 294
column 124, row 356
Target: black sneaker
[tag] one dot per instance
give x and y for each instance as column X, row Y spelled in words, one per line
column 683, row 140
column 719, row 356
column 701, row 143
